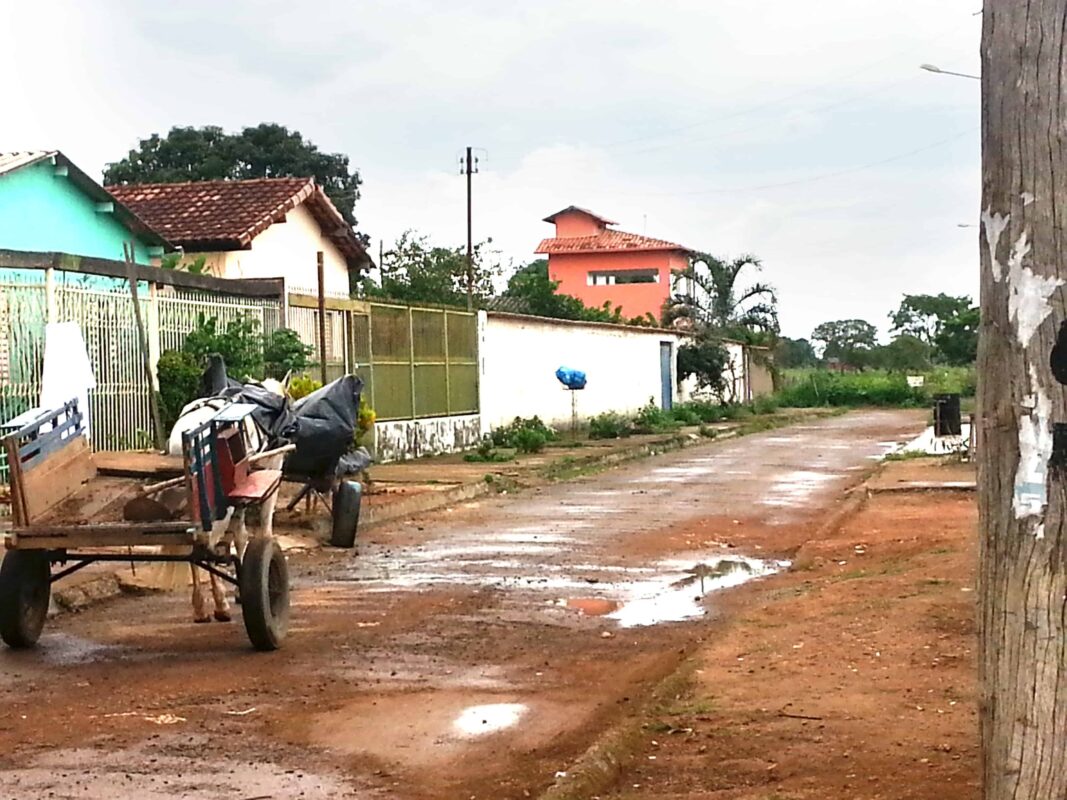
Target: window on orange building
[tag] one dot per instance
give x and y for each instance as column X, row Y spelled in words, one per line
column 621, row 276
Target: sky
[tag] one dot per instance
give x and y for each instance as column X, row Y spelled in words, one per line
column 803, row 133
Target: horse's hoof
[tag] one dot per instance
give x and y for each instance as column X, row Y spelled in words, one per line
column 198, row 620
column 222, row 616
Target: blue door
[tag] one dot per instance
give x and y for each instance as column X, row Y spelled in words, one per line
column 666, row 384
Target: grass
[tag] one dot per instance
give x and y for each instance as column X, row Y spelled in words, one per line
column 813, row 388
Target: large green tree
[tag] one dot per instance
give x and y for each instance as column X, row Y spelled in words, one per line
column 416, row 271
column 948, row 323
column 267, row 150
column 794, row 353
column 850, row 341
column 708, row 292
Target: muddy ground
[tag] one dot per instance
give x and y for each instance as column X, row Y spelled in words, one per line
column 472, row 653
column 851, row 676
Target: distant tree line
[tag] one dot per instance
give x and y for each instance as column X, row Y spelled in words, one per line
column 929, row 330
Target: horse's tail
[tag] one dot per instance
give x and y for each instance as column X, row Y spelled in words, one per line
column 167, row 576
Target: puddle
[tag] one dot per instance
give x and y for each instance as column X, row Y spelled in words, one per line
column 677, row 594
column 63, row 649
column 796, row 487
column 592, row 606
column 492, row 718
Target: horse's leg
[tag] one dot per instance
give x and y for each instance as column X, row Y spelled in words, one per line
column 222, row 608
column 199, row 607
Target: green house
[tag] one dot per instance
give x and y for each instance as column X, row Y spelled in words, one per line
column 47, row 205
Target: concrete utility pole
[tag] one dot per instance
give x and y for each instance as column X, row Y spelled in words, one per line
column 1022, row 404
column 470, row 166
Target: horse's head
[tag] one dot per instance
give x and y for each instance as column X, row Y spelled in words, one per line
column 277, row 387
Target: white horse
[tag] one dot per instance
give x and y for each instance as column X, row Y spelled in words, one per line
column 192, row 415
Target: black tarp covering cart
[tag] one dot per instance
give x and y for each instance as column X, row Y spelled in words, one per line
column 325, row 427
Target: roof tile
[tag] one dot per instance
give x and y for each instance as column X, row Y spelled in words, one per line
column 609, row 241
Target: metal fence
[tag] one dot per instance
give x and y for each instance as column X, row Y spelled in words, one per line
column 414, row 361
column 103, row 308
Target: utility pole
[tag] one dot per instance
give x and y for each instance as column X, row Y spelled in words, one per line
column 1022, row 403
column 470, row 166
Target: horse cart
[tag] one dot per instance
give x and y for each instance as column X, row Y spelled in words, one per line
column 59, row 528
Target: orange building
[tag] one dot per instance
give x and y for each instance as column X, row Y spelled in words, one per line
column 596, row 263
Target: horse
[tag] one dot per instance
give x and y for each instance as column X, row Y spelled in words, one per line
column 192, row 415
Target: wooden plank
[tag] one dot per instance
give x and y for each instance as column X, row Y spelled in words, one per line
column 114, row 534
column 265, row 288
column 332, row 303
column 55, row 478
column 154, row 466
column 18, row 516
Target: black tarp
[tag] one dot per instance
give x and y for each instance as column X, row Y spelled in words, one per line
column 326, row 423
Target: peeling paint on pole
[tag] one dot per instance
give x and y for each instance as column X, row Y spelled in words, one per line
column 1028, row 293
column 1035, row 449
column 994, row 225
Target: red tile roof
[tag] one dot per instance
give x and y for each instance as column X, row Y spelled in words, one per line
column 605, row 242
column 228, row 215
column 579, row 210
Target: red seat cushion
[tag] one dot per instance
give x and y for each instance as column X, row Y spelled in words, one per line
column 256, row 486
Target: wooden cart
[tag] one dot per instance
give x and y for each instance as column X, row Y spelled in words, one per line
column 51, row 467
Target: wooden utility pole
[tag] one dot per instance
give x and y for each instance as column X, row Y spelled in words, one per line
column 322, row 315
column 1022, row 404
column 158, row 437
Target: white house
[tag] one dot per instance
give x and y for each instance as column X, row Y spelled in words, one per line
column 260, row 228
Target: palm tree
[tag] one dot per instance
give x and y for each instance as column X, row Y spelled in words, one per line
column 706, row 293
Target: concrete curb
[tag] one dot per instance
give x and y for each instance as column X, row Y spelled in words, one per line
column 598, row 767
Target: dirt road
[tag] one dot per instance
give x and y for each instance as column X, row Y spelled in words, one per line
column 470, row 653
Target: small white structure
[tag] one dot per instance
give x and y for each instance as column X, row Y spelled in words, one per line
column 261, row 228
column 627, row 366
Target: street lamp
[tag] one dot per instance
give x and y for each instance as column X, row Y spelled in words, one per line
column 939, row 71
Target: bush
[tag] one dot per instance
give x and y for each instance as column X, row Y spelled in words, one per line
column 302, row 386
column 283, row 352
column 821, row 388
column 610, row 425
column 240, row 345
column 529, row 440
column 653, row 419
column 523, row 433
column 685, row 415
column 765, row 404
column 487, row 453
column 179, row 383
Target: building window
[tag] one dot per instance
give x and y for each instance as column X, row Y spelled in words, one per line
column 621, row 276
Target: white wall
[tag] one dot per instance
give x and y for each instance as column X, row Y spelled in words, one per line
column 520, row 355
column 287, row 250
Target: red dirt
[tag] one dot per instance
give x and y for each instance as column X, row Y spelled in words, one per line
column 851, row 676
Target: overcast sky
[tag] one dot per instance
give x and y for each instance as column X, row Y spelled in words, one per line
column 802, row 132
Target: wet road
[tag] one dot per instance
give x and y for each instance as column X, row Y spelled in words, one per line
column 467, row 653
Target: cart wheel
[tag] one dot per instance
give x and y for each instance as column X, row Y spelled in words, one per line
column 264, row 579
column 25, row 586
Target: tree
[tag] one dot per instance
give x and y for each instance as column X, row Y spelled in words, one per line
column 707, row 292
column 416, row 271
column 849, row 341
column 948, row 323
column 794, row 353
column 266, row 151
column 1022, row 483
column 705, row 359
column 957, row 341
column 906, row 353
